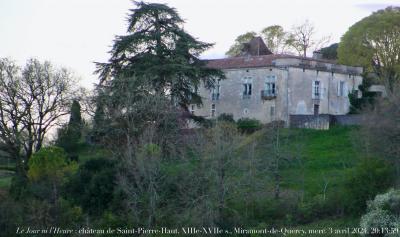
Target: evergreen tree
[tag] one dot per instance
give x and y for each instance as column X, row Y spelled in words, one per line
column 158, row 56
column 70, row 135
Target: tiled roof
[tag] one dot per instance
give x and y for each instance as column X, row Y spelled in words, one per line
column 242, row 62
column 252, row 61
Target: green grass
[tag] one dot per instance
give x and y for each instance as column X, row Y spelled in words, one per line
column 326, row 155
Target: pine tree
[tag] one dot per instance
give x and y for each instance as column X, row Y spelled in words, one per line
column 159, row 56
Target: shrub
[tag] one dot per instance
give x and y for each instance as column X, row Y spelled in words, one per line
column 368, row 178
column 49, row 163
column 382, row 212
column 226, row 118
column 248, row 125
column 93, row 185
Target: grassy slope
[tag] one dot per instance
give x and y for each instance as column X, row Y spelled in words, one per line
column 326, row 157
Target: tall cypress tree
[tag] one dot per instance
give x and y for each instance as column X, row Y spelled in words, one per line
column 159, row 55
column 70, row 135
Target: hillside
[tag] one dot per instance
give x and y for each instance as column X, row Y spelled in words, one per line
column 317, row 166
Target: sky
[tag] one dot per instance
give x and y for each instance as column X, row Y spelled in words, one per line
column 76, row 33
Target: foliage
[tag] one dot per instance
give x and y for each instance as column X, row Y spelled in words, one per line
column 226, row 118
column 330, row 52
column 69, row 136
column 370, row 177
column 275, row 38
column 49, row 163
column 248, row 125
column 380, row 130
column 237, row 47
column 367, row 100
column 382, row 213
column 159, row 56
column 98, row 177
column 300, row 39
column 32, row 100
column 373, row 43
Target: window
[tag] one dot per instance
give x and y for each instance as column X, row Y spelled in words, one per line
column 216, row 90
column 316, row 90
column 270, row 86
column 213, row 110
column 341, row 88
column 245, row 111
column 247, row 91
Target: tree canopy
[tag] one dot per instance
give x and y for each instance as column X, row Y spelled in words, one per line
column 374, row 43
column 237, row 46
column 330, row 52
column 159, row 55
column 300, row 39
column 275, row 38
column 32, row 101
column 70, row 134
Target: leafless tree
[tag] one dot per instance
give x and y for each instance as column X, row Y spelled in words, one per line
column 32, row 101
column 302, row 38
column 220, row 153
column 380, row 131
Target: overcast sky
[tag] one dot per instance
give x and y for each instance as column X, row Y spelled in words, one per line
column 75, row 33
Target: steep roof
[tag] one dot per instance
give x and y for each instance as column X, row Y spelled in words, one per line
column 255, row 47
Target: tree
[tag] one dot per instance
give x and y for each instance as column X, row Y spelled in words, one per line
column 32, row 101
column 236, row 48
column 330, row 52
column 160, row 56
column 275, row 38
column 374, row 43
column 382, row 214
column 98, row 176
column 302, row 38
column 49, row 166
column 70, row 135
column 381, row 131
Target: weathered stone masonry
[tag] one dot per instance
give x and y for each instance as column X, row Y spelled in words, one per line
column 273, row 87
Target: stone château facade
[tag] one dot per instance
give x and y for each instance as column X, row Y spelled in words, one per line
column 270, row 87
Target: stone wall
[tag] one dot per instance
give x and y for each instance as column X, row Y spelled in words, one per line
column 321, row 121
column 324, row 121
column 293, row 93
